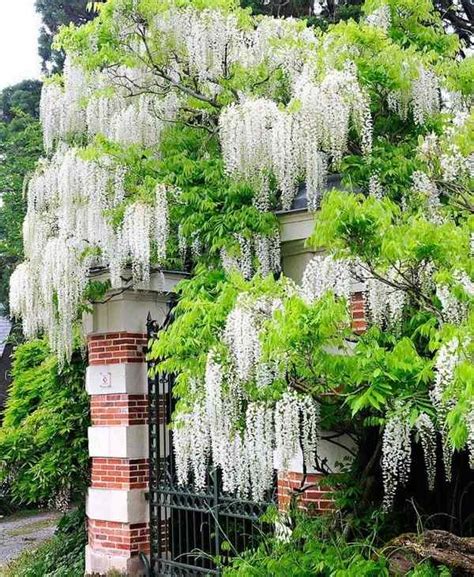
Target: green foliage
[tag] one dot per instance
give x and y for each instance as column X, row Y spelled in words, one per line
column 414, row 22
column 200, row 315
column 399, row 365
column 379, row 233
column 309, row 337
column 388, row 367
column 360, row 380
column 210, row 203
column 43, row 438
column 62, row 556
column 20, row 147
column 317, row 548
column 22, row 97
column 312, row 550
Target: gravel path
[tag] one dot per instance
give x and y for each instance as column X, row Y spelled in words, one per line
column 20, row 532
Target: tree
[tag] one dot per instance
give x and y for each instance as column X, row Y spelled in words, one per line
column 56, row 13
column 23, row 97
column 20, row 147
column 176, row 133
column 459, row 15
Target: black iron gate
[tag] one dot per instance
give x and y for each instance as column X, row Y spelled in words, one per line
column 192, row 533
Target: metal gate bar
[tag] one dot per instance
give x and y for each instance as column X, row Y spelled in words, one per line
column 190, row 529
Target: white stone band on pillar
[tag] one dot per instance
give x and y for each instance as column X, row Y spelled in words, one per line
column 126, row 442
column 120, row 506
column 114, row 379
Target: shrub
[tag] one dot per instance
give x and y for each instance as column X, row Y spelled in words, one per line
column 316, row 548
column 43, row 439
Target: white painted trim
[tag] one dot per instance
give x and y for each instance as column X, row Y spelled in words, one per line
column 117, row 505
column 128, row 378
column 128, row 310
column 127, row 442
column 296, row 226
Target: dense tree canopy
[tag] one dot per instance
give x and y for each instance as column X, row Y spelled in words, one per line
column 22, row 97
column 20, row 147
column 176, row 131
column 457, row 15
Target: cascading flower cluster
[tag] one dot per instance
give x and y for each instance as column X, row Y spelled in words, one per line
column 380, row 18
column 116, row 116
column 470, row 435
column 324, row 273
column 446, row 362
column 396, row 456
column 422, row 98
column 66, row 232
column 385, row 303
column 454, row 310
column 61, row 112
column 212, row 42
column 265, row 249
column 239, row 434
column 442, row 155
column 396, row 451
column 297, row 428
column 426, row 432
column 259, row 139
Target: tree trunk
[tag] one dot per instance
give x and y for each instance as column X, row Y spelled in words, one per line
column 440, row 546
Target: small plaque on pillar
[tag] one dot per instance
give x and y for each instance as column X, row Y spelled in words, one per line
column 105, row 380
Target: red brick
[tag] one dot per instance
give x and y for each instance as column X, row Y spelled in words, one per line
column 306, row 491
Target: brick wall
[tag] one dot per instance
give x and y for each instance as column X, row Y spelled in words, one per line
column 305, row 491
column 119, row 473
column 119, row 537
column 116, row 531
column 359, row 323
column 119, row 409
column 116, row 380
column 111, row 348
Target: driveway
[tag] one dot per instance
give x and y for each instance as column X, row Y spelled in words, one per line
column 24, row 530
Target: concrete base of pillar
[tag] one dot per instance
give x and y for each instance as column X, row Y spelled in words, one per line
column 102, row 563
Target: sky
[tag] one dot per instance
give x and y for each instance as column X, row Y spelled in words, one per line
column 19, row 27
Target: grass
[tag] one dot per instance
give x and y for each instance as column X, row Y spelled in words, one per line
column 13, row 569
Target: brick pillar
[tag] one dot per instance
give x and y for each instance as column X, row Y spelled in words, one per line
column 306, row 491
column 359, row 322
column 117, row 508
